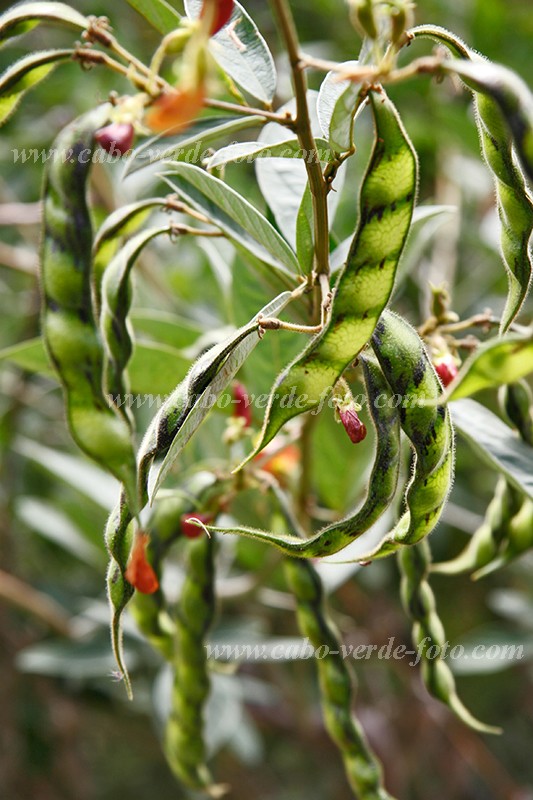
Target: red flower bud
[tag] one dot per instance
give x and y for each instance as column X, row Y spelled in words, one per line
column 241, row 404
column 353, row 426
column 446, row 369
column 116, row 139
column 189, row 529
column 222, row 12
column 140, row 572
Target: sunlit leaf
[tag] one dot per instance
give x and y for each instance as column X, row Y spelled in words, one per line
column 24, row 75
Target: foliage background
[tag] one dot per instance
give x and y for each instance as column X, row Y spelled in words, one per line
column 67, row 730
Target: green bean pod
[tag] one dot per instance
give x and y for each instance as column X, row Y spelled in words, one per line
column 410, row 374
column 516, row 401
column 69, row 329
column 363, row 771
column 502, row 102
column 484, row 545
column 381, row 488
column 518, row 540
column 184, row 739
column 365, row 284
column 428, row 632
column 116, row 297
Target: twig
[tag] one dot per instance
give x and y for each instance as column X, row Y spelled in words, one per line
column 20, row 594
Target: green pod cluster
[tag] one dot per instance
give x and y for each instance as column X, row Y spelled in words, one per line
column 381, row 488
column 518, row 540
column 116, row 303
column 184, row 740
column 411, row 376
column 428, row 633
column 485, row 543
column 365, row 284
column 69, row 329
column 363, row 771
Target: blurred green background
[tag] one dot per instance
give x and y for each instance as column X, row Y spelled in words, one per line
column 67, row 731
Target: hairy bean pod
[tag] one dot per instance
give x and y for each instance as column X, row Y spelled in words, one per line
column 381, row 488
column 184, row 740
column 518, row 540
column 410, row 374
column 116, row 297
column 365, row 284
column 362, row 769
column 502, row 101
column 428, row 633
column 69, row 329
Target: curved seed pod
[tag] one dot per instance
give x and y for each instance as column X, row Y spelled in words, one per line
column 365, row 284
column 68, row 326
column 362, row 769
column 381, row 489
column 408, row 369
column 428, row 633
column 502, row 102
column 184, row 741
column 519, row 540
column 517, row 403
column 484, row 545
column 116, row 296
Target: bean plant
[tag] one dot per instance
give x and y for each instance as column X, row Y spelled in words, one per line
column 333, row 306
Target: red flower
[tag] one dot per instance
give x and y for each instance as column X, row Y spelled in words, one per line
column 353, row 426
column 189, row 529
column 241, row 404
column 116, row 138
column 140, row 572
column 220, row 10
column 446, row 369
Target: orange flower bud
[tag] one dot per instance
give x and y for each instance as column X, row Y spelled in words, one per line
column 140, row 572
column 174, row 111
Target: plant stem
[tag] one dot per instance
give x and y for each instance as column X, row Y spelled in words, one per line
column 304, row 132
column 270, row 116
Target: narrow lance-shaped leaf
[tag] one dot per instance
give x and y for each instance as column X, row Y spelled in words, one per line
column 248, row 152
column 495, row 443
column 204, row 399
column 495, row 363
column 232, row 214
column 24, row 16
column 365, row 284
column 160, row 14
column 242, row 53
column 305, row 244
column 189, row 146
column 337, row 106
column 24, row 75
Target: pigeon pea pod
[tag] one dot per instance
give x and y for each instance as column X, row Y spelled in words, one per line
column 69, row 329
column 410, row 374
column 365, row 284
column 428, row 633
column 382, row 484
column 362, row 769
column 184, row 739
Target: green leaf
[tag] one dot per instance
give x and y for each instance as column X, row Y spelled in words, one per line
column 29, row 355
column 242, row 53
column 23, row 17
column 55, row 526
column 24, row 75
column 234, row 215
column 251, row 151
column 305, row 244
column 160, row 14
column 204, row 402
column 154, row 370
column 190, row 146
column 165, row 328
column 337, row 106
column 495, row 443
column 284, row 181
column 494, row 363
